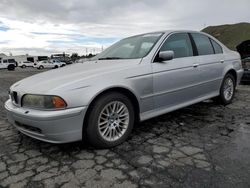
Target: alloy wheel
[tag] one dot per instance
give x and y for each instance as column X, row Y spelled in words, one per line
column 228, row 89
column 113, row 121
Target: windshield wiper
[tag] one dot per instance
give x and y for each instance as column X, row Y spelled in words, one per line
column 108, row 58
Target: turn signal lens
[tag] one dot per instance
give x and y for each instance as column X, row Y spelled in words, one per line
column 58, row 102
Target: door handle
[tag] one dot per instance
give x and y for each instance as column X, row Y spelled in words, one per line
column 222, row 61
column 195, row 65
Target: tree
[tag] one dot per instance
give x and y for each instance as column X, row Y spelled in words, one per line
column 90, row 55
column 74, row 56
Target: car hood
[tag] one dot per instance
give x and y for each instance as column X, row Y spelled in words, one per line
column 45, row 82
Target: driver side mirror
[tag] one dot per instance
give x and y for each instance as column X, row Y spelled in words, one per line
column 166, row 55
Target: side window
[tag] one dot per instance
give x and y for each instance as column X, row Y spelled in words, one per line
column 5, row 61
column 217, row 47
column 203, row 44
column 179, row 43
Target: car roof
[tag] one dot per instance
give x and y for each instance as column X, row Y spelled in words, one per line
column 168, row 32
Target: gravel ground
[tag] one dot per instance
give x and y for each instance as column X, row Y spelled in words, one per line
column 204, row 145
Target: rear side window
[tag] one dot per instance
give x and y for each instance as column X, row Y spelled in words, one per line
column 203, row 44
column 180, row 43
column 217, row 47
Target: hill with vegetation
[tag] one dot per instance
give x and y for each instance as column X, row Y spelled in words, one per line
column 230, row 35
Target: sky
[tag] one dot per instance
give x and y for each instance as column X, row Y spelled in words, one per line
column 44, row 27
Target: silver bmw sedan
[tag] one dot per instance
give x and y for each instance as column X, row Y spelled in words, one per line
column 137, row 78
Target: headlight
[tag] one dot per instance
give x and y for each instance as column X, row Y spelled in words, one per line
column 246, row 64
column 43, row 102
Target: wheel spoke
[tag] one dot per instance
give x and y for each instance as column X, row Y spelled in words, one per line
column 123, row 115
column 105, row 114
column 103, row 123
column 114, row 107
column 109, row 108
column 119, row 129
column 121, row 108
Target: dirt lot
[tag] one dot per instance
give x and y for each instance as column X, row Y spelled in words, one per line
column 204, row 145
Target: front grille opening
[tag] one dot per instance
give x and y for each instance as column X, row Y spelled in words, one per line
column 28, row 127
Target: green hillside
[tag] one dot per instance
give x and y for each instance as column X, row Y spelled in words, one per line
column 230, row 35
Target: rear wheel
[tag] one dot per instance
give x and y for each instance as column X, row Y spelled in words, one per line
column 11, row 67
column 40, row 67
column 110, row 121
column 56, row 67
column 227, row 90
column 23, row 66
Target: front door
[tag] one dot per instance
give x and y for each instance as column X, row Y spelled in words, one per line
column 175, row 82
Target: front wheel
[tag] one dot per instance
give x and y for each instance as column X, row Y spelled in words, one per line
column 110, row 121
column 227, row 90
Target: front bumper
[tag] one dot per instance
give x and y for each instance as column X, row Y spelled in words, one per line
column 246, row 76
column 61, row 126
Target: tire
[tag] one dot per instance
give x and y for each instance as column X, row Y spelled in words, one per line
column 23, row 66
column 56, row 67
column 97, row 132
column 11, row 67
column 40, row 67
column 226, row 97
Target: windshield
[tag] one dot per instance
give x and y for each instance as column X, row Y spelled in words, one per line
column 130, row 48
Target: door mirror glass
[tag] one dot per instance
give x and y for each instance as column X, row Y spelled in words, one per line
column 166, row 55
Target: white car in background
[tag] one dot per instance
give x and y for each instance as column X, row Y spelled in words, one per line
column 7, row 64
column 25, row 64
column 48, row 64
column 56, row 61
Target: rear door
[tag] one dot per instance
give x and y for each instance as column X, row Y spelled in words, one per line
column 211, row 63
column 175, row 81
column 50, row 64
